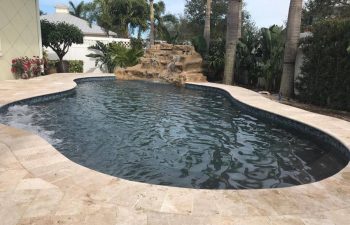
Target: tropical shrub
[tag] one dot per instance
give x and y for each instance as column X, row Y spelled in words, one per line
column 270, row 56
column 199, row 45
column 103, row 57
column 216, row 59
column 169, row 28
column 137, row 43
column 75, row 66
column 50, row 67
column 124, row 57
column 246, row 68
column 258, row 55
column 325, row 79
column 26, row 68
column 112, row 55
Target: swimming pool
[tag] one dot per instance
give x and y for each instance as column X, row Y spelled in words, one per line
column 161, row 134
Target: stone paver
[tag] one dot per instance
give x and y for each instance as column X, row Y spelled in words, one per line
column 40, row 186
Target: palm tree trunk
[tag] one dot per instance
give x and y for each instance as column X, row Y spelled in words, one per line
column 207, row 25
column 232, row 35
column 151, row 36
column 291, row 48
column 240, row 19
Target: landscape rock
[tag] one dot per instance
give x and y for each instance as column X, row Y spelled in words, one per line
column 176, row 64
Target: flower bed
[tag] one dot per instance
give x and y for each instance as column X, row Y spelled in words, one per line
column 25, row 68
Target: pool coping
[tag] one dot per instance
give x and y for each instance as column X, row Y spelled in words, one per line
column 40, row 185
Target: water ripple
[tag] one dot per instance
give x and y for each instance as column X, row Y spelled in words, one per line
column 161, row 134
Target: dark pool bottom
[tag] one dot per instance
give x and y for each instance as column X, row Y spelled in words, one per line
column 161, row 134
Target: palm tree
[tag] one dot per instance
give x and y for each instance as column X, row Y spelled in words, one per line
column 102, row 56
column 232, row 35
column 291, row 47
column 271, row 55
column 158, row 21
column 207, row 25
column 151, row 35
column 112, row 55
column 78, row 10
column 168, row 28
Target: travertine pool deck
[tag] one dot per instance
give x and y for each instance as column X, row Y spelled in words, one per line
column 40, row 186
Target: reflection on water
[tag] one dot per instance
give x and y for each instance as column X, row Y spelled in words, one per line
column 161, row 134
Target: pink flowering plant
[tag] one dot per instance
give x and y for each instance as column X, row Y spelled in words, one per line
column 26, row 68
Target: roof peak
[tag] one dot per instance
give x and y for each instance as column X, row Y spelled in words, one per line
column 83, row 25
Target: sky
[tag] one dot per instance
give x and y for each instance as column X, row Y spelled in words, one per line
column 264, row 12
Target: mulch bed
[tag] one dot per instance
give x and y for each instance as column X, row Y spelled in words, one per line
column 312, row 108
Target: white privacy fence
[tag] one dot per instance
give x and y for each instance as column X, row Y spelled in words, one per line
column 92, row 40
column 79, row 52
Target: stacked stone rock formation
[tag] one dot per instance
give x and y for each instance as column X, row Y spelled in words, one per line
column 172, row 63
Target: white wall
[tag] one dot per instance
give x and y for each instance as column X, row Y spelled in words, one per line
column 79, row 52
column 19, row 33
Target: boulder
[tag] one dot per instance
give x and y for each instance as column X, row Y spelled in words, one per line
column 176, row 64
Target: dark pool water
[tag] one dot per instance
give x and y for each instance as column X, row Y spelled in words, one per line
column 161, row 134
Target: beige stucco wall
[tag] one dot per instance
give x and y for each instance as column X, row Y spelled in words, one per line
column 19, row 32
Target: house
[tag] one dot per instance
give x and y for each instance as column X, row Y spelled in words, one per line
column 20, row 33
column 89, row 30
column 92, row 33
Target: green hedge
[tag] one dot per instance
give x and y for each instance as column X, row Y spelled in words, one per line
column 325, row 77
column 75, row 66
